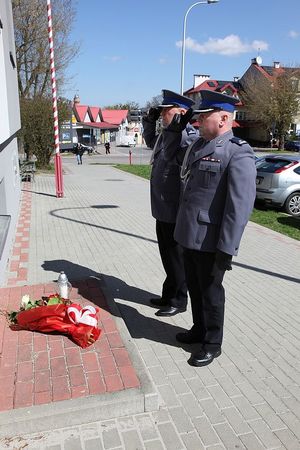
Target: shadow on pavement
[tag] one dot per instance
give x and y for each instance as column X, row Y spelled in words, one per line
column 38, row 193
column 139, row 326
column 118, row 288
column 55, row 213
column 104, row 206
column 267, row 272
column 143, row 327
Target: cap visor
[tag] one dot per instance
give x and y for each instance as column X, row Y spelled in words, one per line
column 166, row 106
column 204, row 110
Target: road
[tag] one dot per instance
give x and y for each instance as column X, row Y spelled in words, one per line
column 120, row 155
column 139, row 155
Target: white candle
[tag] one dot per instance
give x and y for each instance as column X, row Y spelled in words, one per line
column 64, row 291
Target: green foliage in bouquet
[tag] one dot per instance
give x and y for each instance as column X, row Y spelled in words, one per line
column 28, row 303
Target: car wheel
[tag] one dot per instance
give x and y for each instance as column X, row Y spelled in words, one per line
column 292, row 204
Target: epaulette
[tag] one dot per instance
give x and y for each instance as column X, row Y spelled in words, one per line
column 238, row 141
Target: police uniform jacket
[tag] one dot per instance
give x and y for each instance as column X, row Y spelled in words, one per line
column 165, row 182
column 218, row 195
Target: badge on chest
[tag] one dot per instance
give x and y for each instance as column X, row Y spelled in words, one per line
column 208, row 170
column 210, row 164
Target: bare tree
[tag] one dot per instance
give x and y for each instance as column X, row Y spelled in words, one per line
column 34, row 76
column 128, row 105
column 32, row 48
column 272, row 102
column 155, row 101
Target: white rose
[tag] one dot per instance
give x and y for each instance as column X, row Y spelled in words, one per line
column 25, row 300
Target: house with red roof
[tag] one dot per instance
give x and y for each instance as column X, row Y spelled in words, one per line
column 116, row 116
column 224, row 87
column 205, row 82
column 96, row 114
column 257, row 73
column 243, row 126
column 90, row 125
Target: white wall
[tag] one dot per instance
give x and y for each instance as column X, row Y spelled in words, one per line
column 199, row 79
column 9, row 125
column 9, row 197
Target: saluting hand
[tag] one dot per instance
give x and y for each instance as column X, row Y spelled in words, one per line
column 180, row 121
column 153, row 114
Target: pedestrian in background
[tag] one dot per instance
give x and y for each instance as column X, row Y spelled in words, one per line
column 107, row 147
column 165, row 187
column 79, row 153
column 219, row 193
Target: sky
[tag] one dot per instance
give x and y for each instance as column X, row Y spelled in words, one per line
column 131, row 50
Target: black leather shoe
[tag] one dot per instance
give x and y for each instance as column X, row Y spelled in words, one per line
column 188, row 337
column 169, row 311
column 159, row 302
column 203, row 358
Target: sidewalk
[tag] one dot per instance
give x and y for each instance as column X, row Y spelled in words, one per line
column 249, row 397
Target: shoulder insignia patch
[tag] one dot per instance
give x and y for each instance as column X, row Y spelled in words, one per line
column 238, row 141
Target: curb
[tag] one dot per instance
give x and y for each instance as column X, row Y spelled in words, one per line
column 151, row 398
column 70, row 412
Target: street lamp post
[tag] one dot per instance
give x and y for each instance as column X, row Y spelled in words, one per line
column 208, row 2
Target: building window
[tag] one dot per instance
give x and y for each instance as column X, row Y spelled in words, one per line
column 241, row 115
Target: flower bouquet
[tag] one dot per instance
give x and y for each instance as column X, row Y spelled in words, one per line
column 54, row 313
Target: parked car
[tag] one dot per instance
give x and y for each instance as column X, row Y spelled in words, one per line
column 293, row 146
column 126, row 141
column 87, row 149
column 278, row 182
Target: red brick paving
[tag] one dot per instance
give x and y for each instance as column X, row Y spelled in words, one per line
column 38, row 368
column 17, row 267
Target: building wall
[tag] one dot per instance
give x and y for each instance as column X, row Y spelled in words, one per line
column 9, row 125
column 9, row 197
column 199, row 79
column 252, row 75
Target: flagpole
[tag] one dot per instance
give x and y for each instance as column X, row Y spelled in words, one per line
column 57, row 157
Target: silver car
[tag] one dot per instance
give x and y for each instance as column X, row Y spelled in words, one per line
column 278, row 182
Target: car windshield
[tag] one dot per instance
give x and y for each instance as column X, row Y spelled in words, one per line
column 270, row 165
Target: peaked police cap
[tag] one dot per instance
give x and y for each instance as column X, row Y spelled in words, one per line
column 211, row 100
column 173, row 99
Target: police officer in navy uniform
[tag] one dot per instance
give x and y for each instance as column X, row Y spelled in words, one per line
column 218, row 197
column 169, row 147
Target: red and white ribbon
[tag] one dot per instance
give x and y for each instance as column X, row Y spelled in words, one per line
column 86, row 315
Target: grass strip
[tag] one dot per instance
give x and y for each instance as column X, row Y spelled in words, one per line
column 269, row 218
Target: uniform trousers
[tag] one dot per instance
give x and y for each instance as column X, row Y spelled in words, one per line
column 207, row 297
column 174, row 289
